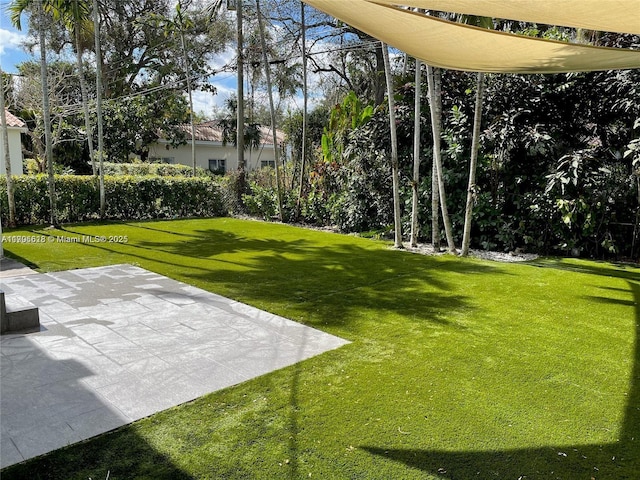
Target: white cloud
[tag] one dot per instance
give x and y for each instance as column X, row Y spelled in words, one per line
column 224, row 82
column 10, row 40
column 223, row 60
column 207, row 102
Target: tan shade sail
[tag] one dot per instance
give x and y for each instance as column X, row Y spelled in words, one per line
column 622, row 16
column 460, row 47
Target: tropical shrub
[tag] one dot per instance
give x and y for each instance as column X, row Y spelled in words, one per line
column 261, row 200
column 559, row 164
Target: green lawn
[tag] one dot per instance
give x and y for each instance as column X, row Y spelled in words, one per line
column 459, row 368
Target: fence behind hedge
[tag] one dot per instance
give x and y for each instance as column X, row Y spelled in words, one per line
column 127, row 198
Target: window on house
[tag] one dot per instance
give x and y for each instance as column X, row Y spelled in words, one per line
column 267, row 163
column 217, row 165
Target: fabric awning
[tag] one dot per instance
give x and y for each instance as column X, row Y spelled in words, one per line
column 622, row 16
column 451, row 45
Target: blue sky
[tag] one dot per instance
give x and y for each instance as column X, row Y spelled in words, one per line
column 11, row 52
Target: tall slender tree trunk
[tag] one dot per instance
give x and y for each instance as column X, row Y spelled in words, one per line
column 475, row 145
column 7, row 156
column 380, row 78
column 435, row 206
column 46, row 114
column 85, row 98
column 436, row 113
column 395, row 167
column 436, row 239
column 305, row 108
column 96, row 28
column 187, row 70
column 240, row 109
column 416, row 155
column 272, row 110
column 405, row 64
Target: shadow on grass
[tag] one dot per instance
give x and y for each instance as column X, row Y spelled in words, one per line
column 20, row 259
column 617, row 270
column 619, row 460
column 122, row 454
column 324, row 284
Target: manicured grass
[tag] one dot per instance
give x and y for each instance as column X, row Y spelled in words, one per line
column 459, row 368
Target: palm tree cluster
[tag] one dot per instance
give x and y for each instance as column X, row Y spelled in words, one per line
column 76, row 16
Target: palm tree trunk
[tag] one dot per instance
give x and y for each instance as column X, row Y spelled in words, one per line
column 436, row 112
column 46, row 114
column 240, row 107
column 272, row 110
column 436, row 239
column 305, row 108
column 416, row 155
column 477, row 121
column 190, row 93
column 435, row 206
column 7, row 156
column 85, row 99
column 395, row 167
column 96, row 28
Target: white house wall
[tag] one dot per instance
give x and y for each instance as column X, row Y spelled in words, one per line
column 15, row 152
column 206, row 151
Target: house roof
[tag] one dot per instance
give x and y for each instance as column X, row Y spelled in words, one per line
column 212, row 132
column 457, row 46
column 13, row 121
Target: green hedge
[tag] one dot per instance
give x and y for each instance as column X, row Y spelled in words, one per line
column 161, row 169
column 128, row 198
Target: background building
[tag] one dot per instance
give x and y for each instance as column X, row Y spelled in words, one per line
column 15, row 128
column 211, row 152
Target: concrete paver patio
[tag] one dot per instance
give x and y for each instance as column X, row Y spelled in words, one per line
column 120, row 343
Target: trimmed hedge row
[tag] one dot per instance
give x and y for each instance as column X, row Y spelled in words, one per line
column 128, row 198
column 161, row 169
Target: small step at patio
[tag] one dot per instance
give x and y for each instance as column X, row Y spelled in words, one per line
column 18, row 315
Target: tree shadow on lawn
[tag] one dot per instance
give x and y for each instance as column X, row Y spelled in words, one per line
column 120, row 454
column 322, row 284
column 618, row 460
column 617, row 270
column 146, row 226
column 325, row 284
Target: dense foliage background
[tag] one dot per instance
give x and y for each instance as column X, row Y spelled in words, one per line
column 558, row 169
